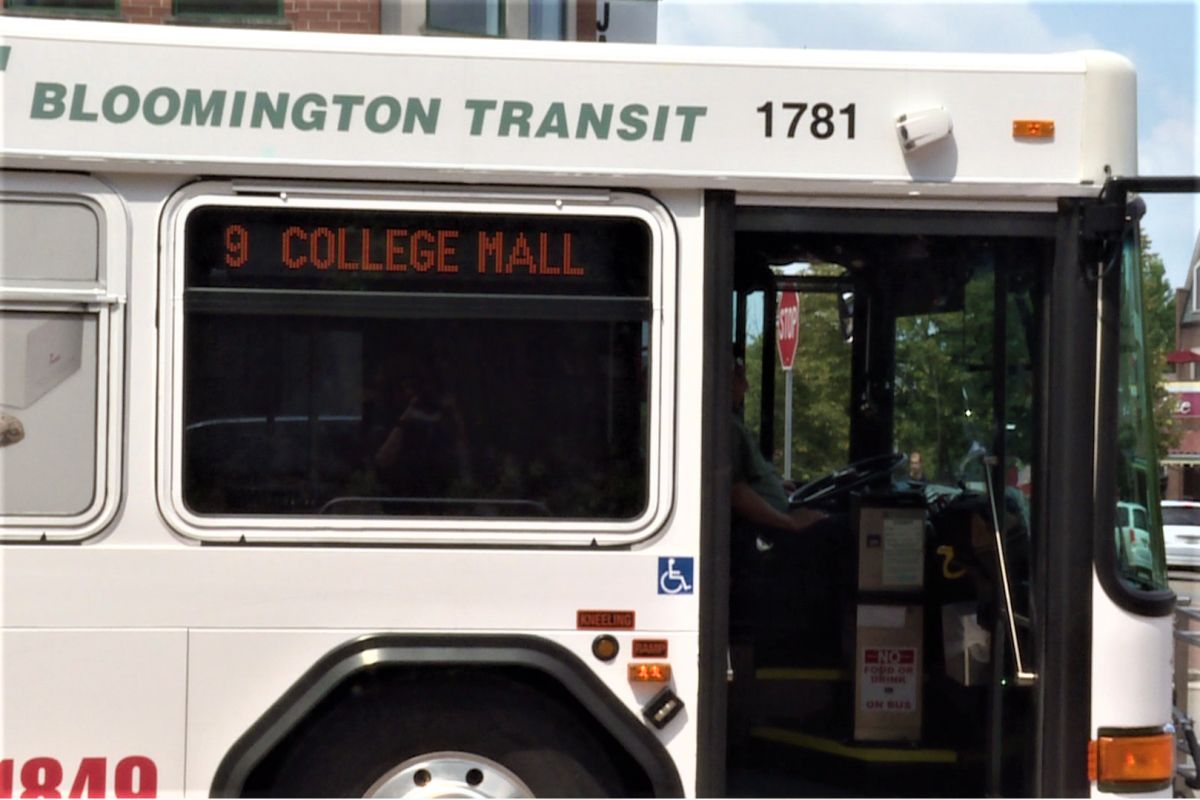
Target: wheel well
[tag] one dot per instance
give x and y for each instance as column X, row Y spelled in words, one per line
column 364, row 687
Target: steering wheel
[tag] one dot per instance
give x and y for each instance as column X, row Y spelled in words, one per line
column 847, row 479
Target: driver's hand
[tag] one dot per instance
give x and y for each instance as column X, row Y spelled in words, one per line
column 804, row 517
column 789, row 486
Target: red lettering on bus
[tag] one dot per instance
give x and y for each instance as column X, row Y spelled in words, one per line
column 327, row 260
column 394, row 259
column 90, row 777
column 344, row 264
column 521, row 256
column 422, row 259
column 567, row 267
column 491, row 246
column 446, row 251
column 41, row 777
column 367, row 264
column 237, row 246
column 135, row 771
column 291, row 261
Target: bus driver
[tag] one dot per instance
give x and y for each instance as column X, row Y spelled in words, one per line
column 760, row 495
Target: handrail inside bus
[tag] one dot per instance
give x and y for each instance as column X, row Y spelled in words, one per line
column 1024, row 677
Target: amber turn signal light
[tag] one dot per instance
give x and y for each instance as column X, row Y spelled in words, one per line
column 1033, row 129
column 652, row 672
column 1132, row 759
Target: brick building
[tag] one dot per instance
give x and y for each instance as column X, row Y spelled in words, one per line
column 576, row 20
column 1183, row 382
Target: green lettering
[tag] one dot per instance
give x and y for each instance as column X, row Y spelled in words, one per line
column 239, row 105
column 419, row 115
column 660, row 123
column 515, row 114
column 197, row 111
column 478, row 109
column 346, row 104
column 599, row 123
column 78, row 95
column 150, row 105
column 275, row 112
column 314, row 119
column 635, row 126
column 109, row 106
column 392, row 105
column 554, row 122
column 690, row 114
column 48, row 101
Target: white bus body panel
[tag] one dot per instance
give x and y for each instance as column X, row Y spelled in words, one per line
column 100, row 693
column 278, row 103
column 1124, row 647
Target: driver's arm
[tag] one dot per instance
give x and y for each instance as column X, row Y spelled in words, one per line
column 750, row 506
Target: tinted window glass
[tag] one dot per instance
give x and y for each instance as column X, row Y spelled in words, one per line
column 476, row 17
column 235, row 8
column 1180, row 515
column 415, row 364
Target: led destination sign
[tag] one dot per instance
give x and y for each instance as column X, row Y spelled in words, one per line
column 238, row 247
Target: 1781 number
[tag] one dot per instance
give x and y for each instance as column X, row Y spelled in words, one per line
column 820, row 119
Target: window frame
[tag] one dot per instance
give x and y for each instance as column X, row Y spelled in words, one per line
column 228, row 17
column 63, row 11
column 460, row 530
column 501, row 23
column 103, row 298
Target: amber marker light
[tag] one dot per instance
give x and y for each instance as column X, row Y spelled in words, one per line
column 650, row 672
column 605, row 647
column 1033, row 129
column 1132, row 763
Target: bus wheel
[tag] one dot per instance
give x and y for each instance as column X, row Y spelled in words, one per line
column 449, row 774
column 472, row 735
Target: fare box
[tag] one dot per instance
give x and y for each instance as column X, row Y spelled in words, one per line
column 891, row 549
column 887, row 674
column 38, row 353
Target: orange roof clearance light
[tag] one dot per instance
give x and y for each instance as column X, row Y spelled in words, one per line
column 1128, row 760
column 1033, row 129
column 650, row 672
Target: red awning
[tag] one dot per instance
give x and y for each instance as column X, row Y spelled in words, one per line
column 1182, row 357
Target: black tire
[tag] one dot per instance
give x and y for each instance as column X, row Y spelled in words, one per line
column 363, row 731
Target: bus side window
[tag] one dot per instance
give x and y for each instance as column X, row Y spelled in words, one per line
column 55, row 360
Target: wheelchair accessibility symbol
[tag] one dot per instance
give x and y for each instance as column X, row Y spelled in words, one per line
column 675, row 575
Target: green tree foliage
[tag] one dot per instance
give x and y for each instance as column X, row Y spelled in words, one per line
column 1159, row 300
column 944, row 369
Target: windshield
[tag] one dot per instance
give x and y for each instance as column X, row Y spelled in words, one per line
column 1141, row 565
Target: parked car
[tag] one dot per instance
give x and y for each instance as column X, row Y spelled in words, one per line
column 1133, row 539
column 1181, row 533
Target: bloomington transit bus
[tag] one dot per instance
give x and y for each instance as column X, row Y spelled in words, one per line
column 367, row 420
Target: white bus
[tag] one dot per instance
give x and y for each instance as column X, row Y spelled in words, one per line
column 366, row 420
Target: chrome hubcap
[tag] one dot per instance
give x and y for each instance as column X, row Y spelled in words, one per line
column 449, row 774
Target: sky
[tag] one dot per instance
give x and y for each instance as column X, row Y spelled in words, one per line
column 1160, row 38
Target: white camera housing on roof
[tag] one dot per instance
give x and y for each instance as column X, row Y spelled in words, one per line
column 921, row 128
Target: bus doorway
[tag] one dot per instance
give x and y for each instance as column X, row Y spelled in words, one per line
column 870, row 646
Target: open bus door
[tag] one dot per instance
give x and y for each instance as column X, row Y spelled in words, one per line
column 969, row 338
column 918, row 334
